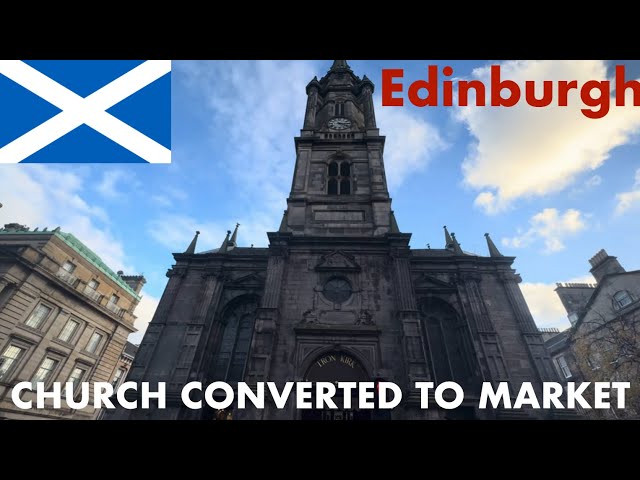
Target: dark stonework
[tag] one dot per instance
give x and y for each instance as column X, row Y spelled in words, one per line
column 339, row 283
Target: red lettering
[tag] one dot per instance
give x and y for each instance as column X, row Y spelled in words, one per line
column 621, row 87
column 388, row 87
column 497, row 86
column 447, row 87
column 431, row 86
column 530, row 93
column 463, row 92
column 563, row 91
column 602, row 101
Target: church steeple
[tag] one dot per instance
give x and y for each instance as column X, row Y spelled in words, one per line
column 339, row 65
column 339, row 185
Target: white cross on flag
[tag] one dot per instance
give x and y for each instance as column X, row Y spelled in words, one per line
column 85, row 111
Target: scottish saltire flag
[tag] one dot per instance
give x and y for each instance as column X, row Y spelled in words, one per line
column 85, row 111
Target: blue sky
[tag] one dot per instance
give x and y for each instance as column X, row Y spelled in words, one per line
column 551, row 186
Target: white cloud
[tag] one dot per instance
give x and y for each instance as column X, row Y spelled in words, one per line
column 411, row 142
column 259, row 108
column 108, row 186
column 551, row 227
column 144, row 311
column 169, row 197
column 524, row 151
column 545, row 305
column 593, row 181
column 41, row 196
column 627, row 200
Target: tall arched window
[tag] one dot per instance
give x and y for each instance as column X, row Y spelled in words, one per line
column 233, row 353
column 339, row 178
column 447, row 341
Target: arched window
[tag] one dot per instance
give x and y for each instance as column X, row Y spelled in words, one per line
column 621, row 299
column 339, row 182
column 231, row 359
column 447, row 341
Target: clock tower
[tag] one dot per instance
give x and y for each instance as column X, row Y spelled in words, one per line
column 339, row 185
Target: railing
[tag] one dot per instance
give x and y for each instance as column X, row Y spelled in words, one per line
column 67, row 277
column 115, row 309
column 92, row 294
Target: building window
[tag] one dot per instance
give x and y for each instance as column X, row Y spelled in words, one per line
column 621, row 299
column 9, row 359
column 38, row 316
column 117, row 379
column 337, row 290
column 573, row 318
column 93, row 284
column 76, row 377
column 339, row 111
column 339, row 176
column 68, row 266
column 114, row 299
column 44, row 372
column 233, row 353
column 94, row 342
column 564, row 368
column 69, row 330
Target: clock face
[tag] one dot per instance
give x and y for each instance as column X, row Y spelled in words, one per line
column 339, row 123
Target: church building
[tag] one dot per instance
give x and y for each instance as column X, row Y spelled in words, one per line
column 338, row 294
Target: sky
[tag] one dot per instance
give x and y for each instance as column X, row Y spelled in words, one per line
column 550, row 185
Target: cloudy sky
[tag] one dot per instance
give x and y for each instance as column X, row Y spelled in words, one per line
column 550, row 185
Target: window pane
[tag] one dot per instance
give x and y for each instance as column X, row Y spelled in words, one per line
column 333, row 169
column 93, row 284
column 76, row 376
column 114, row 299
column 345, row 169
column 333, row 187
column 239, row 360
column 9, row 358
column 37, row 317
column 68, row 266
column 345, row 187
column 94, row 341
column 622, row 299
column 43, row 373
column 68, row 331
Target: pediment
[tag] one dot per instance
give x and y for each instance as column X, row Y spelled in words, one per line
column 430, row 282
column 337, row 261
column 247, row 280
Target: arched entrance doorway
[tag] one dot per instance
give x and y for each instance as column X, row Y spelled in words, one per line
column 337, row 366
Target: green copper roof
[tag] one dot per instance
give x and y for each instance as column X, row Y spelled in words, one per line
column 95, row 260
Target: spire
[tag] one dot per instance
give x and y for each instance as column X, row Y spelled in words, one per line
column 448, row 242
column 393, row 224
column 234, row 237
column 283, row 223
column 225, row 244
column 339, row 65
column 493, row 250
column 192, row 246
column 456, row 246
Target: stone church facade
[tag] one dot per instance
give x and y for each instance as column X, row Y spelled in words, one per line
column 339, row 295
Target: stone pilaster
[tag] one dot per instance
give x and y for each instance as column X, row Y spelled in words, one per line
column 538, row 354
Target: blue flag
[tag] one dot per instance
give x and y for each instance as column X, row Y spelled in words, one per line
column 85, row 111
